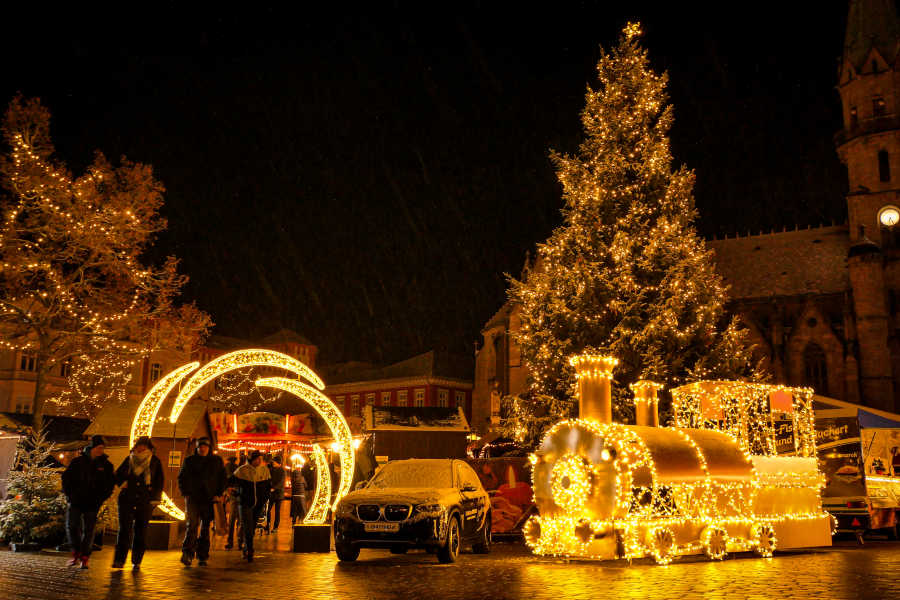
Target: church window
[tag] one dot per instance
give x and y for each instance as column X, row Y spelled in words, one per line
column 854, row 117
column 874, row 66
column 816, row 368
column 879, row 106
column 884, row 166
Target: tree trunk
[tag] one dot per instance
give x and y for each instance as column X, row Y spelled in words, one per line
column 37, row 402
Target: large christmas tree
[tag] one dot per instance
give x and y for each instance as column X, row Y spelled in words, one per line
column 626, row 274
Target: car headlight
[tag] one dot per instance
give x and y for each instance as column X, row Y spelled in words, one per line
column 429, row 508
column 344, row 509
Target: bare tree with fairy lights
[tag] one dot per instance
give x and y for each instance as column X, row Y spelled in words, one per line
column 74, row 287
column 626, row 274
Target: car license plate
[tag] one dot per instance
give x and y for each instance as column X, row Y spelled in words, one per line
column 387, row 527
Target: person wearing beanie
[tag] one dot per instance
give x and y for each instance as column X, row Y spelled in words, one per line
column 252, row 481
column 87, row 482
column 140, row 479
column 202, row 482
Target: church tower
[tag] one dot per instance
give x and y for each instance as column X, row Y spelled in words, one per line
column 869, row 144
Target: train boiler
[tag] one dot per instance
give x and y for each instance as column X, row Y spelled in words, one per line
column 606, row 490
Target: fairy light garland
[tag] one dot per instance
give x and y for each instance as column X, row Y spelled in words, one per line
column 649, row 516
column 146, row 414
column 318, row 509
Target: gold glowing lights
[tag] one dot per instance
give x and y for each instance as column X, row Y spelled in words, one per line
column 604, row 492
column 318, row 508
column 593, row 365
column 147, row 411
column 238, row 360
column 332, row 417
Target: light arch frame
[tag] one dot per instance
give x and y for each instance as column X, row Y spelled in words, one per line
column 146, row 414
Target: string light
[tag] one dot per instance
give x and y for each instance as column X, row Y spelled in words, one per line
column 607, row 490
column 146, row 415
column 75, row 292
column 626, row 273
column 332, row 416
column 237, row 360
column 318, row 509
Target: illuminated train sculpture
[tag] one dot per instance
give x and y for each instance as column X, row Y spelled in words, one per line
column 712, row 484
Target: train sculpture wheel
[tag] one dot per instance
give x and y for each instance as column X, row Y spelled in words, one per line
column 661, row 542
column 715, row 542
column 764, row 535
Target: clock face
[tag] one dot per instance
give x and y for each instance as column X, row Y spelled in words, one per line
column 889, row 216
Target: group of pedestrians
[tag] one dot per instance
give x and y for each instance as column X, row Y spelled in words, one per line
column 89, row 481
column 204, row 479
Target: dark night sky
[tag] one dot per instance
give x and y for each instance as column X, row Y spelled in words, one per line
column 366, row 176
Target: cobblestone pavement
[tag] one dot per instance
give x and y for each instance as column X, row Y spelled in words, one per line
column 844, row 571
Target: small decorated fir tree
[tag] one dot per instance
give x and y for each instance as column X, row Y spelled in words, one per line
column 626, row 274
column 35, row 506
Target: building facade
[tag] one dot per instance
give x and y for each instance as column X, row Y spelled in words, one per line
column 822, row 304
column 17, row 369
column 427, row 380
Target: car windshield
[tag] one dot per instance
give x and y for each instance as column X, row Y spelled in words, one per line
column 413, row 475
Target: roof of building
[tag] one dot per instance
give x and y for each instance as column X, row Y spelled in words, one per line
column 428, row 364
column 871, row 23
column 790, row 263
column 286, row 336
column 115, row 419
column 500, row 317
column 59, row 429
column 282, row 336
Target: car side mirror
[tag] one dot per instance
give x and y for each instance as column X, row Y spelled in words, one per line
column 468, row 488
column 359, row 485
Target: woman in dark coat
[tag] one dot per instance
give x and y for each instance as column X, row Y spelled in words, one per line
column 141, row 479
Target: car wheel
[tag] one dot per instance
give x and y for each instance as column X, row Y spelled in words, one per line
column 399, row 549
column 450, row 549
column 483, row 545
column 346, row 553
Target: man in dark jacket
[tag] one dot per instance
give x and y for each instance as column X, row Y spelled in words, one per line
column 201, row 481
column 140, row 479
column 87, row 482
column 279, row 475
column 253, row 484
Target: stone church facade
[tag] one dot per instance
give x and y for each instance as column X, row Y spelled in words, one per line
column 822, row 304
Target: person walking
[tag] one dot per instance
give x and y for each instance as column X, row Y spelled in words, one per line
column 253, row 483
column 298, row 495
column 278, row 476
column 140, row 479
column 231, row 466
column 87, row 482
column 202, row 482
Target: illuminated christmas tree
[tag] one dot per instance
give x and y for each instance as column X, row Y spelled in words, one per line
column 626, row 274
column 76, row 296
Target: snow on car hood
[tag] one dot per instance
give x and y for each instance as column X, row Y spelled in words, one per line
column 401, row 496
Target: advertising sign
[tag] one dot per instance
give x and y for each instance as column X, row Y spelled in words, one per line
column 507, row 481
column 260, row 423
column 784, row 436
column 840, row 457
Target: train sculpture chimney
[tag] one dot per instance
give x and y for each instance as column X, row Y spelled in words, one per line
column 646, row 403
column 594, row 374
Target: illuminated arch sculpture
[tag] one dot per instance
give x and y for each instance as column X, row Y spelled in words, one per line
column 149, row 407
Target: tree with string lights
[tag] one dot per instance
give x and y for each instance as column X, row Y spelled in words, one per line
column 626, row 274
column 74, row 289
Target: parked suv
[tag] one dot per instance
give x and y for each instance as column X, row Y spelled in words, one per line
column 435, row 504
